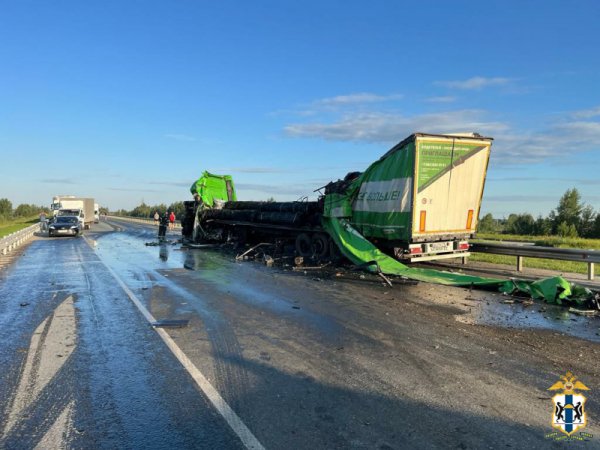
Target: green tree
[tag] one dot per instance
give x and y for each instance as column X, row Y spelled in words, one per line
column 596, row 229
column 585, row 227
column 25, row 210
column 5, row 208
column 569, row 209
column 523, row 224
column 141, row 210
column 543, row 226
column 566, row 230
column 487, row 224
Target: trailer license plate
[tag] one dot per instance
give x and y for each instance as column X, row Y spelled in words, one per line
column 439, row 247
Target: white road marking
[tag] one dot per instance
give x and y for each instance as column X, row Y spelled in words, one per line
column 43, row 362
column 58, row 434
column 234, row 421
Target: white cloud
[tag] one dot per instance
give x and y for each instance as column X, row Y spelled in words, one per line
column 474, row 83
column 586, row 113
column 251, row 170
column 358, row 98
column 390, row 128
column 441, row 99
column 288, row 190
column 180, row 137
column 60, row 181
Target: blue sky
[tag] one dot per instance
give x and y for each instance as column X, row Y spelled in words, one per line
column 131, row 100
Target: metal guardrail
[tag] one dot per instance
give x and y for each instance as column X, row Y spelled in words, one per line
column 143, row 220
column 14, row 240
column 590, row 257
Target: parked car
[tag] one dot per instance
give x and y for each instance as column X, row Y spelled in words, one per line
column 65, row 226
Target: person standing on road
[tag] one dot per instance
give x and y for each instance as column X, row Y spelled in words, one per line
column 172, row 220
column 162, row 228
column 156, row 217
column 43, row 222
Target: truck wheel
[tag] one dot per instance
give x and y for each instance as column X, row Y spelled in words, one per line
column 334, row 252
column 303, row 245
column 320, row 245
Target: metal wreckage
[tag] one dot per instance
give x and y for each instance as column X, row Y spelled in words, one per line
column 420, row 201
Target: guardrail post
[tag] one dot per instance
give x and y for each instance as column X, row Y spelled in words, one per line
column 465, row 259
column 591, row 271
column 519, row 264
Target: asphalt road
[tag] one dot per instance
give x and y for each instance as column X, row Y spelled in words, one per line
column 269, row 358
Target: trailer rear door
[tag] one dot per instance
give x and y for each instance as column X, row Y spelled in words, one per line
column 448, row 185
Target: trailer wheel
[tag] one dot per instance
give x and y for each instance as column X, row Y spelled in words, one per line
column 320, row 245
column 303, row 245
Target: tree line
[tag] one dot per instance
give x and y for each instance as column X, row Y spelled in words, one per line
column 571, row 218
column 147, row 211
column 24, row 210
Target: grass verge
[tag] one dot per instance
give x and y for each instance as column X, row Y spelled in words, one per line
column 11, row 226
column 539, row 263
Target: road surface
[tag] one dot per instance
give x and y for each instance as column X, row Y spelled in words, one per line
column 269, row 358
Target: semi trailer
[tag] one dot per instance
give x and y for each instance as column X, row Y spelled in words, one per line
column 420, row 201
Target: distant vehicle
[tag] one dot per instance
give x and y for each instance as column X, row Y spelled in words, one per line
column 72, row 212
column 69, row 202
column 96, row 213
column 65, row 226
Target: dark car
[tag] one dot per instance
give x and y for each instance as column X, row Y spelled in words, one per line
column 65, row 226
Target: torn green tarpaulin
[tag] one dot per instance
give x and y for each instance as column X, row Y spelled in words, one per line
column 361, row 251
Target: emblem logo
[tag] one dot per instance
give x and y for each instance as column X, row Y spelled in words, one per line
column 569, row 405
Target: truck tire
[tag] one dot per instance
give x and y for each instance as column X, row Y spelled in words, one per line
column 320, row 245
column 304, row 245
column 335, row 255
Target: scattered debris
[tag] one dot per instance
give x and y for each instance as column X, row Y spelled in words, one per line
column 508, row 302
column 298, row 260
column 297, row 268
column 170, row 323
column 251, row 249
column 583, row 312
column 386, row 279
column 202, row 245
column 269, row 260
column 163, row 242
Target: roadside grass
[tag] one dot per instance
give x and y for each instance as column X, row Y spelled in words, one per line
column 546, row 241
column 10, row 226
column 539, row 263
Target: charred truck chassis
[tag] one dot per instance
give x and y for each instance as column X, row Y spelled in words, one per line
column 295, row 223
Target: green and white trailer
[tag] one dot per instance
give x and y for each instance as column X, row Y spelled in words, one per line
column 421, row 200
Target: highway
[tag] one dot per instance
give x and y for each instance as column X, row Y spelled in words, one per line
column 268, row 357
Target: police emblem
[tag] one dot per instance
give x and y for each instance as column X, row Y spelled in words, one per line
column 569, row 405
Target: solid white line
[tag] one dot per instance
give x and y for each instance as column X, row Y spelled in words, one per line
column 234, row 421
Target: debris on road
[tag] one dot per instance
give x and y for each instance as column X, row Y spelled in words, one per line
column 250, row 250
column 170, row 323
column 201, row 245
column 301, row 268
column 583, row 312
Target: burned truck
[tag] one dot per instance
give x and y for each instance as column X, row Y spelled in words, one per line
column 420, row 201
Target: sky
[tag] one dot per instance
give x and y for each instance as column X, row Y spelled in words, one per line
column 129, row 101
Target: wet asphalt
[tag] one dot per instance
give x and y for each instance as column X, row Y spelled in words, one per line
column 129, row 392
column 306, row 360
